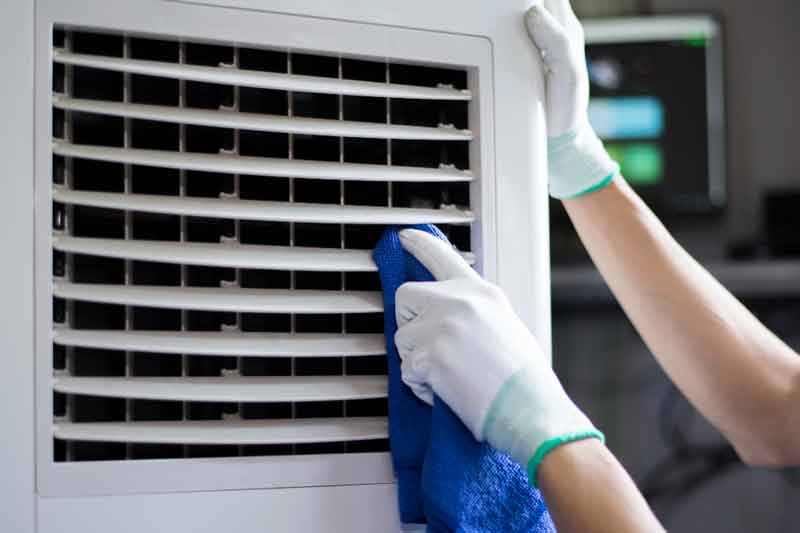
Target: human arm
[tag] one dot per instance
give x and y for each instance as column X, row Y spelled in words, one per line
column 586, row 489
column 459, row 338
column 736, row 372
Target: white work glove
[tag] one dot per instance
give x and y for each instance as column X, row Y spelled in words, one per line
column 459, row 338
column 577, row 161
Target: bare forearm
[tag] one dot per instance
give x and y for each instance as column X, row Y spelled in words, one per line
column 588, row 491
column 734, row 370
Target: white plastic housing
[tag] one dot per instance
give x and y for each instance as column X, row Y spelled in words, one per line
column 296, row 493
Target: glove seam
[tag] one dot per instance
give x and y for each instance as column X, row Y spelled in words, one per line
column 550, row 444
column 499, row 399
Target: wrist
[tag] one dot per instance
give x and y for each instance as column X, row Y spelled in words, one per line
column 578, row 163
column 551, row 446
column 568, row 458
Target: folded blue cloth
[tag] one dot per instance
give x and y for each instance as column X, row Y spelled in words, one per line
column 445, row 478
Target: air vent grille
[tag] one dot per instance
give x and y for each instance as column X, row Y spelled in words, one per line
column 214, row 209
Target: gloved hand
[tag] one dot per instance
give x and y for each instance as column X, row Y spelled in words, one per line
column 577, row 161
column 459, row 338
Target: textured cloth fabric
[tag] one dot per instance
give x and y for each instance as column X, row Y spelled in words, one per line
column 445, row 478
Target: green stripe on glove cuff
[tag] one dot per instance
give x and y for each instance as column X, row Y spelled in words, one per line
column 550, row 445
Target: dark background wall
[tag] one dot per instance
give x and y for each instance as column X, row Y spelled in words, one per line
column 604, row 364
column 762, row 42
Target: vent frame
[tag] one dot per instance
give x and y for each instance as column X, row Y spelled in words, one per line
column 415, row 46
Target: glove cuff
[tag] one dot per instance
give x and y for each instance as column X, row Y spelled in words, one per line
column 551, row 444
column 531, row 415
column 578, row 164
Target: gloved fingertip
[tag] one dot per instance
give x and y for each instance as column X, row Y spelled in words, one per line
column 410, row 238
column 407, row 234
column 533, row 15
column 541, row 26
column 439, row 257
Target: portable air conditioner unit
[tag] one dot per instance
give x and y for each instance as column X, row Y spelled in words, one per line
column 191, row 320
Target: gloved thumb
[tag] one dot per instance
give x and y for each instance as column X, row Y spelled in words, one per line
column 440, row 258
column 561, row 11
column 547, row 33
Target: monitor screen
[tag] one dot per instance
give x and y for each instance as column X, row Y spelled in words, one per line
column 656, row 102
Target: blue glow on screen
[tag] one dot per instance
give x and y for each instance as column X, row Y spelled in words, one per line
column 627, row 117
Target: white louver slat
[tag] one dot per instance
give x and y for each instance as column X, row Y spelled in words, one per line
column 229, row 254
column 260, row 166
column 229, row 389
column 260, row 80
column 224, row 299
column 227, row 343
column 261, row 122
column 228, row 431
column 266, row 211
column 214, row 211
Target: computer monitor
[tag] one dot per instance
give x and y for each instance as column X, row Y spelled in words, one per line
column 657, row 104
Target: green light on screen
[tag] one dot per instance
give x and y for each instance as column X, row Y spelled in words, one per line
column 640, row 163
column 698, row 41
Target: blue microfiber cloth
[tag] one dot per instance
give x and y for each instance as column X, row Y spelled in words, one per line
column 444, row 476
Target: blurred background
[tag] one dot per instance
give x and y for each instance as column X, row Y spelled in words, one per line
column 700, row 110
